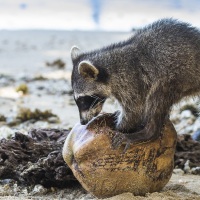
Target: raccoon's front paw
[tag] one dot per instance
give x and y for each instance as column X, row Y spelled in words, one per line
column 141, row 136
column 119, row 139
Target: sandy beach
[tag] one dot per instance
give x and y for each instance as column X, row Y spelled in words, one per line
column 24, row 56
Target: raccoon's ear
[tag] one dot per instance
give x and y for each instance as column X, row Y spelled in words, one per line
column 87, row 70
column 75, row 52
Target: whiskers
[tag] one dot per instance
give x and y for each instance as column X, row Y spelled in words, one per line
column 92, row 109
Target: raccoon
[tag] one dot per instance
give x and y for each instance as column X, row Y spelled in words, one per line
column 146, row 74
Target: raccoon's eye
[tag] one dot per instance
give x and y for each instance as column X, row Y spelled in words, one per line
column 87, row 102
column 84, row 103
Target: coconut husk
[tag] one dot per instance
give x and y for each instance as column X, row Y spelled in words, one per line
column 105, row 171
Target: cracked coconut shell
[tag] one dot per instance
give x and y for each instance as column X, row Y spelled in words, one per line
column 105, row 172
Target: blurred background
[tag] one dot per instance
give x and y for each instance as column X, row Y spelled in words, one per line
column 35, row 41
column 106, row 15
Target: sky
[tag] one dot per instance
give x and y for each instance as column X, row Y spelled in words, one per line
column 109, row 15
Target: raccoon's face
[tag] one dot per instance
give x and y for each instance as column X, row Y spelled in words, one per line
column 90, row 86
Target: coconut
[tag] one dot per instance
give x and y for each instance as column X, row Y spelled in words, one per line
column 105, row 171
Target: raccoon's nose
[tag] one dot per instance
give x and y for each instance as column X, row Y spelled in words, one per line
column 83, row 117
column 83, row 122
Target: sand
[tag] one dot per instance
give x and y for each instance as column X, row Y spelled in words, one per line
column 23, row 55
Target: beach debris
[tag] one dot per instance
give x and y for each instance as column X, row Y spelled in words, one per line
column 2, row 118
column 56, row 63
column 36, row 158
column 26, row 114
column 39, row 78
column 33, row 116
column 187, row 152
column 22, row 88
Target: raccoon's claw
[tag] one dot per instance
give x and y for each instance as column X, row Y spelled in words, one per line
column 119, row 139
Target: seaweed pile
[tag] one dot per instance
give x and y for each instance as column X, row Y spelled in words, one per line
column 36, row 158
column 187, row 152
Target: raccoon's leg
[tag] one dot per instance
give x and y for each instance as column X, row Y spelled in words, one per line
column 162, row 95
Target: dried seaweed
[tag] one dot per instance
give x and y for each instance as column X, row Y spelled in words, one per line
column 22, row 88
column 58, row 63
column 36, row 158
column 187, row 149
column 2, row 118
column 26, row 114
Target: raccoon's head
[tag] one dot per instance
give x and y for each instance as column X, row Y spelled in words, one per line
column 90, row 85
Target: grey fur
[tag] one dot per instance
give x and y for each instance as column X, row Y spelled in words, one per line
column 147, row 74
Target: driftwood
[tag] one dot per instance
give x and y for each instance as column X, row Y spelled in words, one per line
column 36, row 158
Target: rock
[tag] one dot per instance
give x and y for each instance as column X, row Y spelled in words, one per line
column 105, row 172
column 186, row 114
column 53, row 120
column 6, row 132
column 187, row 167
column 178, row 171
column 185, row 126
column 196, row 135
column 195, row 170
column 192, row 108
column 196, row 125
column 39, row 190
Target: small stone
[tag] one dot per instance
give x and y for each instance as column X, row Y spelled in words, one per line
column 196, row 125
column 24, row 191
column 196, row 135
column 39, row 190
column 188, row 130
column 6, row 187
column 181, row 181
column 178, row 171
column 186, row 114
column 6, row 181
column 187, row 167
column 53, row 120
column 195, row 170
column 6, row 132
column 53, row 189
column 41, row 124
column 16, row 188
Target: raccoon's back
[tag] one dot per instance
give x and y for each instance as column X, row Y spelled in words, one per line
column 168, row 31
column 169, row 45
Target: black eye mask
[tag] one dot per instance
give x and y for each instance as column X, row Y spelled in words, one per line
column 86, row 102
